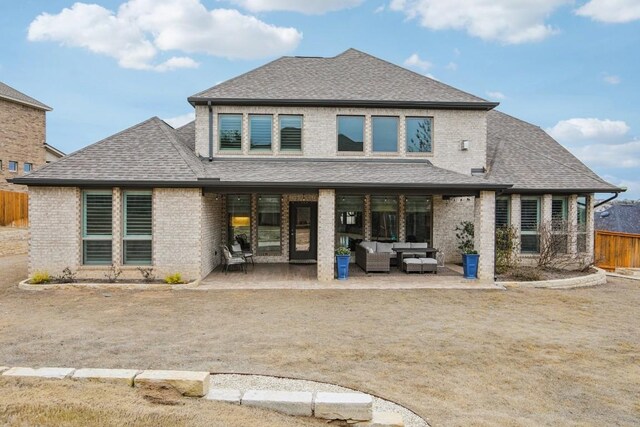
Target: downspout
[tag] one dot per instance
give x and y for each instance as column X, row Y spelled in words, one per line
column 615, row 195
column 210, row 131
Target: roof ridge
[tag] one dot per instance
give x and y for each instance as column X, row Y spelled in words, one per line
column 176, row 142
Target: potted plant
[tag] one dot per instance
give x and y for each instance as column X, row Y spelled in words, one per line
column 470, row 257
column 343, row 255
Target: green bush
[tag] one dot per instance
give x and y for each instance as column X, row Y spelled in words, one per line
column 525, row 274
column 342, row 250
column 173, row 279
column 40, row 278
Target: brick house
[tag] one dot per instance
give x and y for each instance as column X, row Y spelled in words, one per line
column 22, row 135
column 301, row 155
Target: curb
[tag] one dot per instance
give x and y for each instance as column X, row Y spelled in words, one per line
column 623, row 276
column 595, row 279
column 25, row 286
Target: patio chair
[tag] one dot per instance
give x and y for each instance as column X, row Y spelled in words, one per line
column 230, row 260
column 244, row 247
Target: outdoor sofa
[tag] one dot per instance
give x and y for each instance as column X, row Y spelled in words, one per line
column 379, row 256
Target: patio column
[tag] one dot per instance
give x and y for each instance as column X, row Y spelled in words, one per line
column 572, row 222
column 515, row 220
column 326, row 233
column 546, row 216
column 485, row 233
column 590, row 226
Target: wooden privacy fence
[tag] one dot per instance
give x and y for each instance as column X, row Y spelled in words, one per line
column 14, row 209
column 613, row 249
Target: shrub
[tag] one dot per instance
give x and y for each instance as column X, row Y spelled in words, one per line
column 173, row 279
column 40, row 278
column 343, row 250
column 465, row 234
column 506, row 248
column 147, row 274
column 112, row 274
column 67, row 276
column 525, row 275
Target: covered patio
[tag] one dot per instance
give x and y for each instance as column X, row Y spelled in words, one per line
column 304, row 276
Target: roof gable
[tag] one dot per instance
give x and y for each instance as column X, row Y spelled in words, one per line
column 11, row 94
column 352, row 76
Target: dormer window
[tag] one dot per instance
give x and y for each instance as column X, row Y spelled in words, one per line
column 230, row 131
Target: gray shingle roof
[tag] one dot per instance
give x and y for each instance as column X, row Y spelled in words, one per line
column 620, row 217
column 339, row 172
column 350, row 76
column 147, row 152
column 524, row 155
column 187, row 134
column 7, row 92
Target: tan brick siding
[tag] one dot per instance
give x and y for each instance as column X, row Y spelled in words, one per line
column 211, row 232
column 326, row 233
column 55, row 229
column 319, row 133
column 177, row 218
column 22, row 138
column 447, row 214
column 484, row 233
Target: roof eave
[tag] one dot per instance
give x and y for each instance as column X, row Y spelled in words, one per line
column 515, row 190
column 42, row 107
column 57, row 182
column 479, row 105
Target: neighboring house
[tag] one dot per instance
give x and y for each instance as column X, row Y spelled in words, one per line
column 52, row 153
column 621, row 217
column 304, row 154
column 22, row 135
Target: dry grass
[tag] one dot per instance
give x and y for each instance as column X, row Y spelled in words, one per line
column 28, row 402
column 519, row 357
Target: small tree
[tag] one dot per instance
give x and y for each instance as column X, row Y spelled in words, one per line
column 465, row 234
column 507, row 248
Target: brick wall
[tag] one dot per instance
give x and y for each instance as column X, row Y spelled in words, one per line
column 177, row 219
column 22, row 138
column 211, row 232
column 447, row 214
column 326, row 233
column 484, row 233
column 319, row 133
column 55, row 229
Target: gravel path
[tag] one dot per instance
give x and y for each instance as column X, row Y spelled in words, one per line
column 261, row 382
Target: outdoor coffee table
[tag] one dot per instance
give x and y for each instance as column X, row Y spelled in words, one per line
column 428, row 253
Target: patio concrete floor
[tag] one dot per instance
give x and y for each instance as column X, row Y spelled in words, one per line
column 303, row 276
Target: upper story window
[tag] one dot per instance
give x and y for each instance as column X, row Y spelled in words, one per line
column 13, row 166
column 385, row 134
column 230, row 131
column 260, row 131
column 290, row 133
column 351, row 133
column 419, row 134
column 28, row 167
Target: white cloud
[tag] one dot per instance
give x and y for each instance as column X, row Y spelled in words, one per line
column 379, row 9
column 496, row 95
column 181, row 120
column 507, row 21
column 415, row 61
column 625, row 155
column 611, row 11
column 611, row 79
column 452, row 66
column 310, row 7
column 141, row 30
column 577, row 129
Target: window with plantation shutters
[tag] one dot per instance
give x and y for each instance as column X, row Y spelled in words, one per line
column 230, row 131
column 137, row 225
column 260, row 132
column 502, row 211
column 559, row 226
column 97, row 223
column 529, row 222
column 290, row 133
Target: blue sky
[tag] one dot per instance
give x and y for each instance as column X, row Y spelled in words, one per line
column 570, row 67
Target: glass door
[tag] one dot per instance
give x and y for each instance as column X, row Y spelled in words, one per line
column 303, row 230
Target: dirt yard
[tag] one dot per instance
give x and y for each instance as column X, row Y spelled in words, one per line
column 29, row 402
column 519, row 357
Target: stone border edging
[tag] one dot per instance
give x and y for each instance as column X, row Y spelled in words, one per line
column 622, row 276
column 595, row 279
column 26, row 286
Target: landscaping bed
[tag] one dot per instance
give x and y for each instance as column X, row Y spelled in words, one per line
column 531, row 274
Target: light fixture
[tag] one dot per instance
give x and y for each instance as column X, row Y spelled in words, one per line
column 464, row 145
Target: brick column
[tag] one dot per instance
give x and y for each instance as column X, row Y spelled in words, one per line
column 367, row 217
column 590, row 226
column 402, row 209
column 545, row 213
column 515, row 218
column 485, row 233
column 572, row 222
column 116, row 244
column 326, row 233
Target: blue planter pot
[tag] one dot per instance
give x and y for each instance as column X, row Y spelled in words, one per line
column 470, row 265
column 343, row 266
